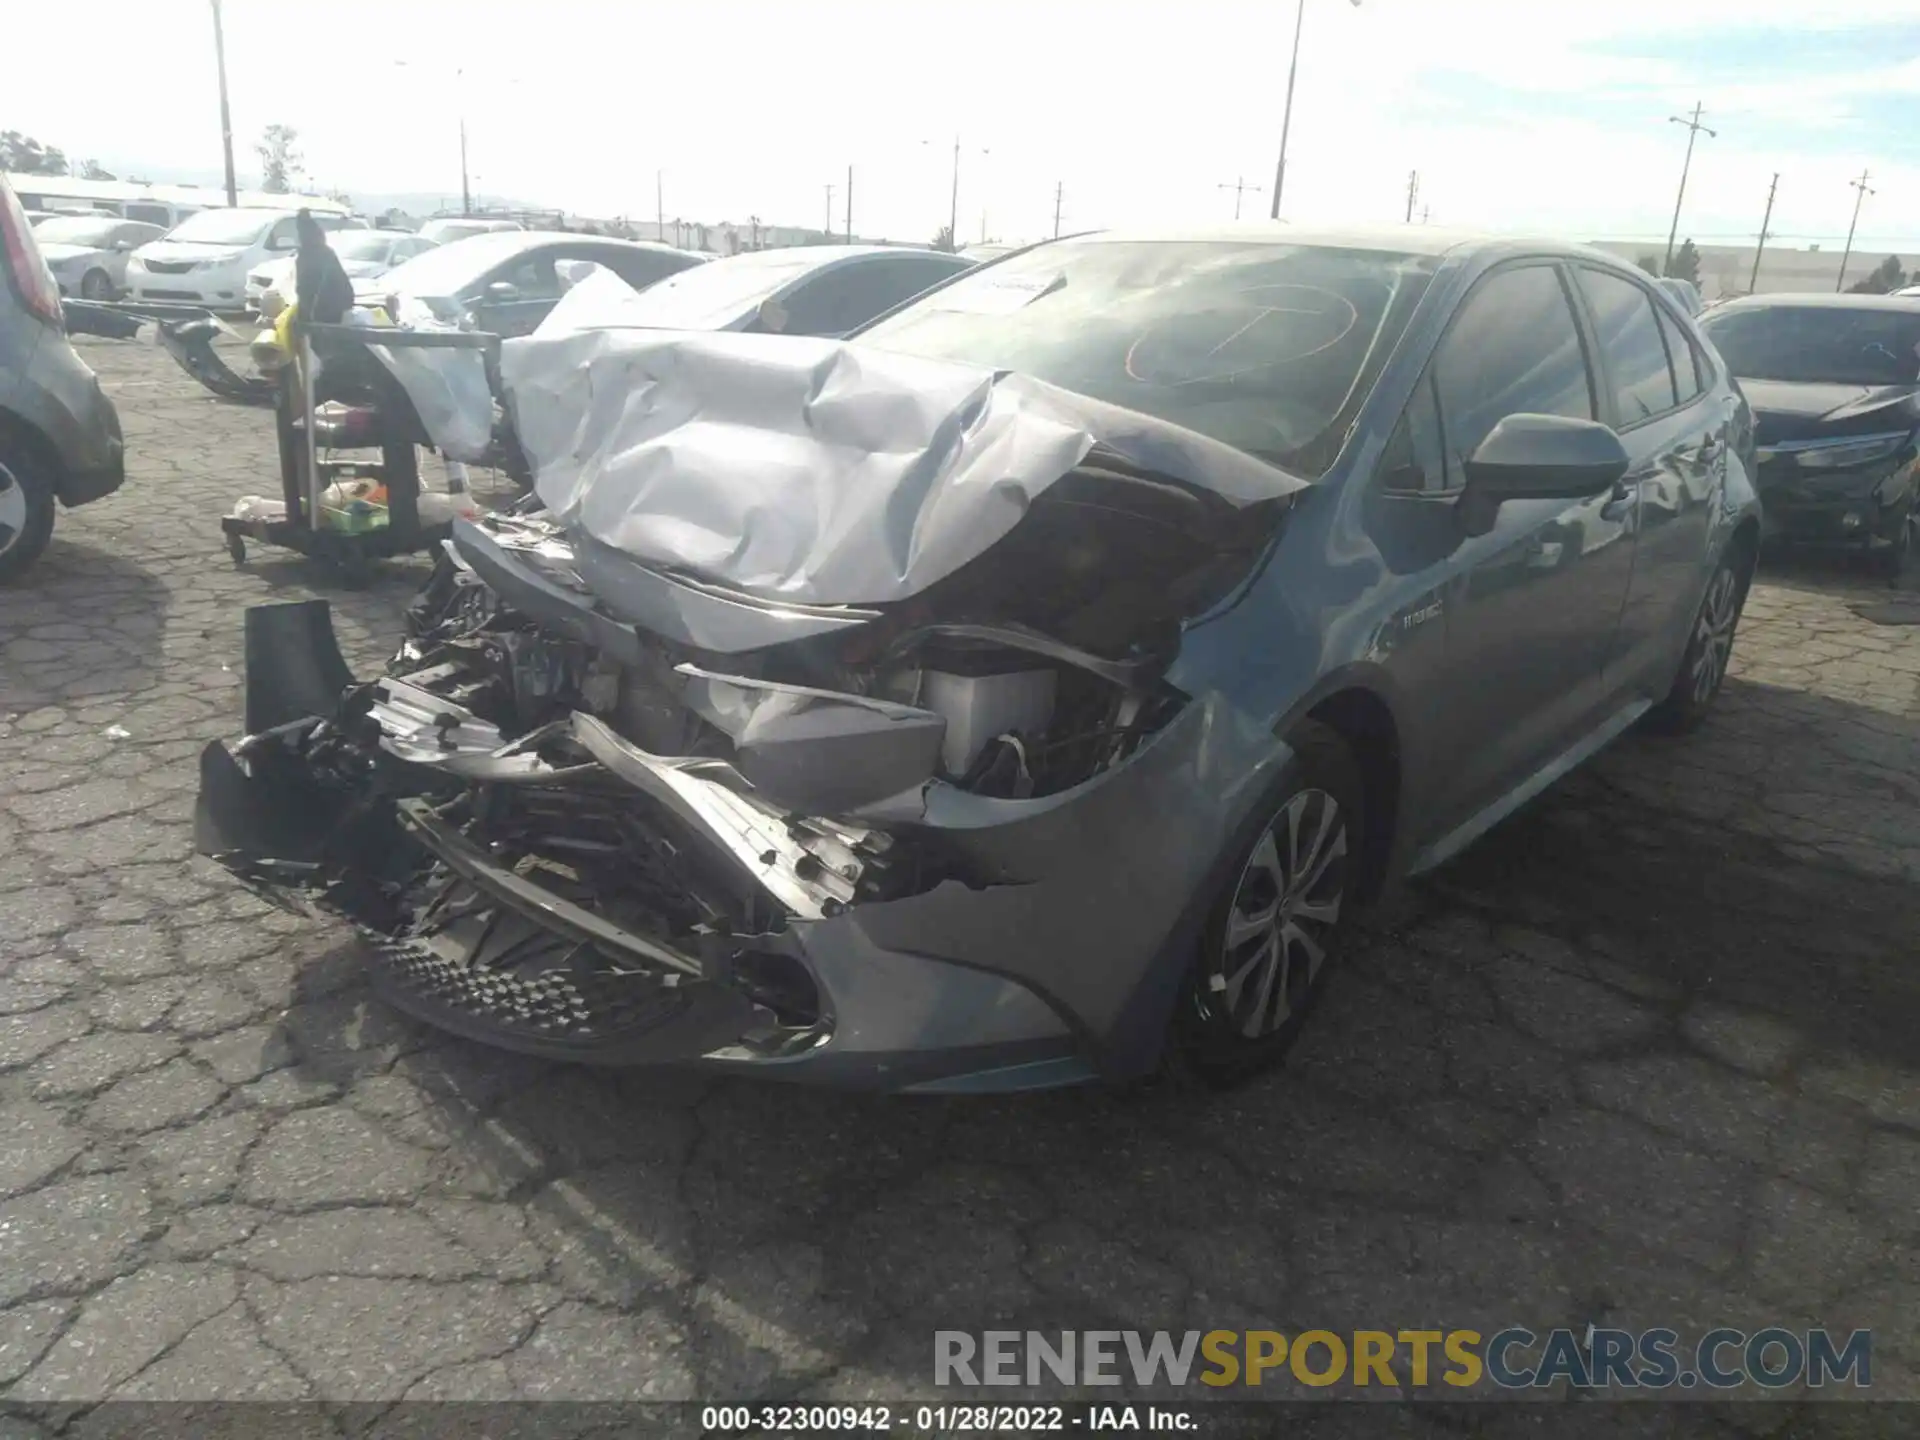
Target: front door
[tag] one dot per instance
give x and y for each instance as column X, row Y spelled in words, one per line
column 1531, row 607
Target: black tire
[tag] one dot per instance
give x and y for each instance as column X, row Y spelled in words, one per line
column 1703, row 668
column 96, row 285
column 1250, row 992
column 1893, row 561
column 26, row 509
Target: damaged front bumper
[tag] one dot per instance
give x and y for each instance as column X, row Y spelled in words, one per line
column 571, row 894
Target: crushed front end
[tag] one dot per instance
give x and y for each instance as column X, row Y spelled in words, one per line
column 825, row 723
column 892, row 851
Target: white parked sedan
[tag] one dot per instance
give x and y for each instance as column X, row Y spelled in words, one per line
column 364, row 254
column 88, row 253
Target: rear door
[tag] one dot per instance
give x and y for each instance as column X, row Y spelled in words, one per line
column 1654, row 394
column 1531, row 607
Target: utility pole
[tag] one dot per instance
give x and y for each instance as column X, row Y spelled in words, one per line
column 1286, row 113
column 226, row 118
column 1238, row 186
column 1059, row 196
column 1753, row 280
column 660, row 206
column 1846, row 255
column 849, row 204
column 1425, row 211
column 828, row 231
column 1413, row 191
column 1694, row 127
column 953, row 216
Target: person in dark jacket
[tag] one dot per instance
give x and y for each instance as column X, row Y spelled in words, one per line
column 321, row 286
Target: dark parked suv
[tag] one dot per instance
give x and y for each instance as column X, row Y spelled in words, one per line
column 59, row 433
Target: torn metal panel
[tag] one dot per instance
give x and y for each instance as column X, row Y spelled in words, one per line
column 815, row 472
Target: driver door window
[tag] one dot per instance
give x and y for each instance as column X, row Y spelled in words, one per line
column 283, row 236
column 1513, row 349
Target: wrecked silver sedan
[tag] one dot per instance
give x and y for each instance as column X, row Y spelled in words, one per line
column 838, row 712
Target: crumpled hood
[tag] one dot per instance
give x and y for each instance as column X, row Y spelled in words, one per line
column 812, row 471
column 1789, row 410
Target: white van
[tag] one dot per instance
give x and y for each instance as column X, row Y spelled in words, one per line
column 204, row 259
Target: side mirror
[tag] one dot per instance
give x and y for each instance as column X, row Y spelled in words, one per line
column 1546, row 457
column 771, row 317
column 123, row 246
column 502, row 291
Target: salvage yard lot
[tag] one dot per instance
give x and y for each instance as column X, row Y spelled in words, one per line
column 1646, row 1055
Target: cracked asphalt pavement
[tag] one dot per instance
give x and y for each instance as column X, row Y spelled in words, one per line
column 1646, row 1055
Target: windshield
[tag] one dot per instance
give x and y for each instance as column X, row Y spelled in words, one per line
column 1269, row 348
column 712, row 296
column 361, row 245
column 224, row 227
column 1819, row 344
column 77, row 230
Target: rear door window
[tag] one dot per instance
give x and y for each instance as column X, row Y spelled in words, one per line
column 1689, row 376
column 1627, row 322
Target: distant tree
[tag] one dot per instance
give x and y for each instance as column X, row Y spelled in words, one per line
column 280, row 160
column 1883, row 279
column 943, row 238
column 94, row 170
column 25, row 155
column 1686, row 263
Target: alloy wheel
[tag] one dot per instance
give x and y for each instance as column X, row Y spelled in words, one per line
column 1281, row 920
column 1713, row 633
column 13, row 510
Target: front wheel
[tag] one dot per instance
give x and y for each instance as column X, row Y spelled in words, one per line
column 1280, row 924
column 1703, row 669
column 1892, row 562
column 26, row 511
column 95, row 285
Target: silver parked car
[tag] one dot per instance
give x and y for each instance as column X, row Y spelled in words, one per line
column 88, row 253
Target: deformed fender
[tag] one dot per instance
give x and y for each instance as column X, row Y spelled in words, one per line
column 1094, row 898
column 190, row 343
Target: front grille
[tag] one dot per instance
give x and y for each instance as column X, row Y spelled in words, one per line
column 169, row 267
column 576, row 1012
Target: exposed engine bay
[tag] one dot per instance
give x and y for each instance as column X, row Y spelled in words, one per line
column 605, row 809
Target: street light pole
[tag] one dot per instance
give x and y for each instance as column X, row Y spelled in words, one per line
column 953, row 218
column 1694, row 127
column 226, row 118
column 1753, row 280
column 460, row 103
column 1286, row 113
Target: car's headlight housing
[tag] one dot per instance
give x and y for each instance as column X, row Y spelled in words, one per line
column 1850, row 451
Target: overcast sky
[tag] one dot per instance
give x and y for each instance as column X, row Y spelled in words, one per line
column 1547, row 116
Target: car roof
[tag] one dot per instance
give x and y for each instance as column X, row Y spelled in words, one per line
column 1821, row 300
column 1429, row 240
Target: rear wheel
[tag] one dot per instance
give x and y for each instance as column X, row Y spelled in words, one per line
column 26, row 509
column 96, row 285
column 1276, row 931
column 1703, row 669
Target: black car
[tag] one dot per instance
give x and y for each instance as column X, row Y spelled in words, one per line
column 1026, row 689
column 507, row 280
column 1834, row 381
column 60, row 441
column 795, row 290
